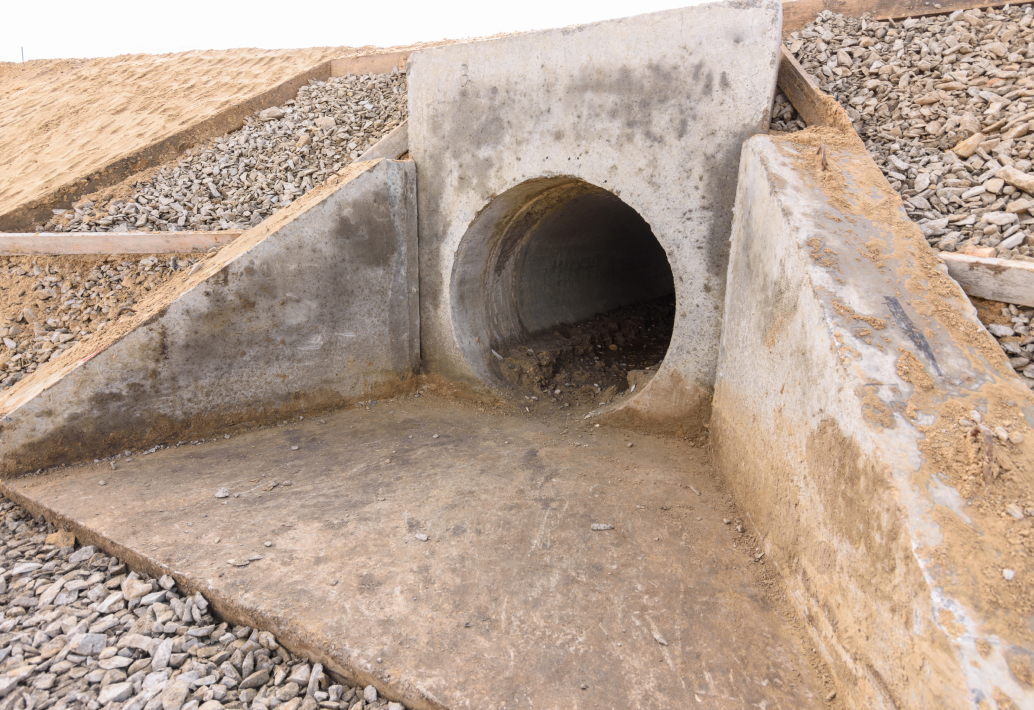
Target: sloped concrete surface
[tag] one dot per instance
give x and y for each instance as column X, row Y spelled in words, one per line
column 652, row 108
column 512, row 601
column 315, row 307
column 850, row 369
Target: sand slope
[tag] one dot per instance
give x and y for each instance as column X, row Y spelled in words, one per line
column 61, row 119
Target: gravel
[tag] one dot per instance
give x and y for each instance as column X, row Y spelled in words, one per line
column 81, row 630
column 944, row 105
column 52, row 303
column 236, row 181
column 1016, row 340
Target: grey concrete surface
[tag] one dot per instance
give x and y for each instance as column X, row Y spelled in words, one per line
column 315, row 307
column 513, row 601
column 849, row 366
column 506, row 132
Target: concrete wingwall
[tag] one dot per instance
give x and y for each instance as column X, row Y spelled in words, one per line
column 849, row 371
column 646, row 108
column 315, row 307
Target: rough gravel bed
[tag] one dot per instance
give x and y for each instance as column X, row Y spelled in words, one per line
column 236, row 181
column 80, row 630
column 50, row 303
column 944, row 105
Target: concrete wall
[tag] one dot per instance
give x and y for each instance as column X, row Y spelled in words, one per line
column 652, row 108
column 849, row 366
column 316, row 306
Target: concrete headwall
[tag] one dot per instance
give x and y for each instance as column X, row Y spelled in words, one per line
column 653, row 109
column 316, row 306
column 875, row 434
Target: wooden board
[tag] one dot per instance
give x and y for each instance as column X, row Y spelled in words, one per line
column 39, row 243
column 798, row 13
column 993, row 279
column 391, row 147
column 800, row 89
column 370, row 64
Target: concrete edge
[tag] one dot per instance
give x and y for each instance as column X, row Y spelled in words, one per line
column 124, row 336
column 287, row 634
column 841, row 388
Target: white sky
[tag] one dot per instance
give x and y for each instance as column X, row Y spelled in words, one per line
column 62, row 28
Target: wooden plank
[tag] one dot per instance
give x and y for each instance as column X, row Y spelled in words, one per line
column 798, row 13
column 52, row 243
column 370, row 64
column 391, row 147
column 815, row 107
column 24, row 217
column 994, row 279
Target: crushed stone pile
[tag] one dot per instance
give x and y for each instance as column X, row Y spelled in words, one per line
column 236, row 181
column 81, row 630
column 48, row 304
column 944, row 105
column 1011, row 327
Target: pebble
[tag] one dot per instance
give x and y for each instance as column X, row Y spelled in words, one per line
column 222, row 493
column 159, row 650
column 601, row 526
column 1008, row 574
column 237, row 180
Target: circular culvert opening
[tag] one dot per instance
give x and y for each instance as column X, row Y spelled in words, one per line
column 560, row 285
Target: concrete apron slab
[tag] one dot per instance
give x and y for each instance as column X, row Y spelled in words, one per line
column 850, row 371
column 651, row 109
column 314, row 307
column 512, row 602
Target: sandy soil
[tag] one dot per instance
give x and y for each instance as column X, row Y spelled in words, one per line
column 62, row 118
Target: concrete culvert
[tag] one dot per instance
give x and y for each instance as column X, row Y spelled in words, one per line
column 562, row 285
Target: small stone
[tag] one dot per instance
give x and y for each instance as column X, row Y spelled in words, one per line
column 994, row 185
column 601, row 526
column 115, row 693
column 270, row 114
column 87, row 644
column 102, row 482
column 175, row 694
column 660, row 639
column 422, row 537
column 135, row 588
column 82, row 554
column 1000, row 331
column 255, row 680
column 1015, row 511
column 967, row 147
column 1008, row 574
column 370, row 694
column 222, row 493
